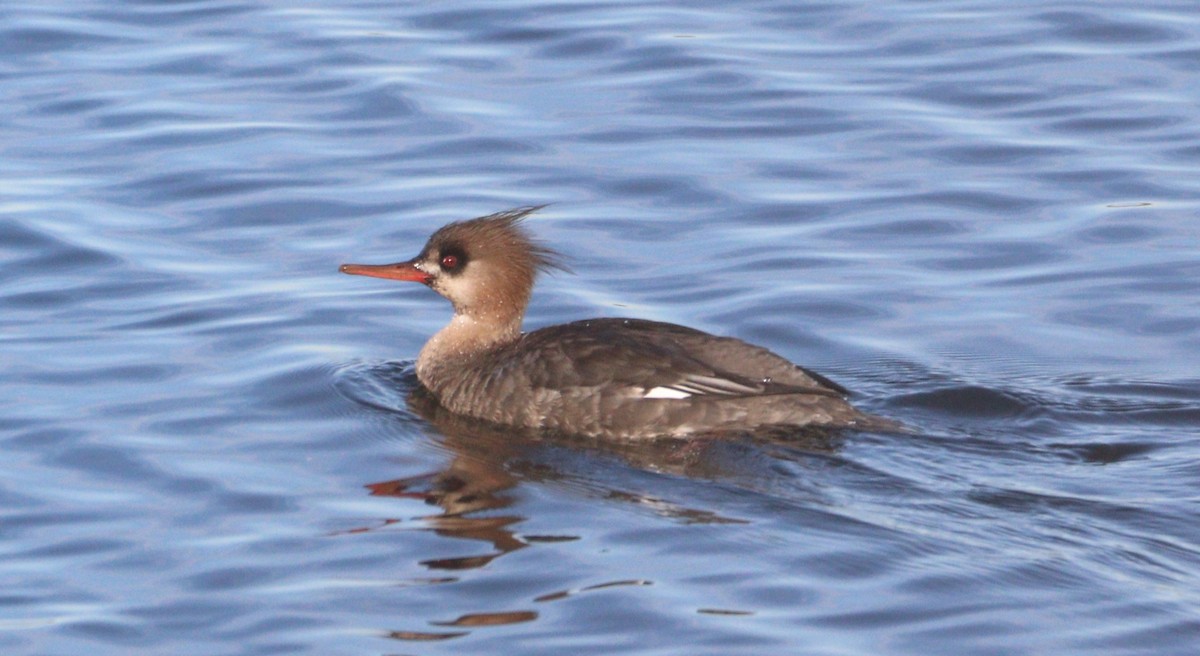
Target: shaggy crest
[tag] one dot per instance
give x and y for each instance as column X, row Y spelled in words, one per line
column 500, row 236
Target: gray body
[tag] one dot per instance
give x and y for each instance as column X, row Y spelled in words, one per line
column 593, row 377
column 614, row 378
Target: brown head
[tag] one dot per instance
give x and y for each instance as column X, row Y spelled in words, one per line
column 485, row 267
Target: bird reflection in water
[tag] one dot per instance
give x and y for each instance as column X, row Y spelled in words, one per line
column 474, row 491
column 488, row 461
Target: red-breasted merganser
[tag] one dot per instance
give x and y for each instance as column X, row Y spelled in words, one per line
column 608, row 378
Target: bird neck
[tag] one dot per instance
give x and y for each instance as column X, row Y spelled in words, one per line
column 465, row 337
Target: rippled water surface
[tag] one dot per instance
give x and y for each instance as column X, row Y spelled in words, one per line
column 981, row 216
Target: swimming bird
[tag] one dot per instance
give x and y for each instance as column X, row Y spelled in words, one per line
column 603, row 378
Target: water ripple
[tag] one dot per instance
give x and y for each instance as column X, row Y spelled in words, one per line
column 979, row 216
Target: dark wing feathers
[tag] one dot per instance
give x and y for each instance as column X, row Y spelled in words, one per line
column 662, row 361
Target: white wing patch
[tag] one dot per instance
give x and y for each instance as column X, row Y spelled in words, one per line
column 696, row 385
column 715, row 385
column 665, row 393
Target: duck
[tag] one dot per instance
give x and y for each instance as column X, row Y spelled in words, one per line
column 608, row 378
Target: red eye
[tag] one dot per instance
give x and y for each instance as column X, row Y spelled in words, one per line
column 449, row 261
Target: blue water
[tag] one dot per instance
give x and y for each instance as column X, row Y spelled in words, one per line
column 981, row 216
